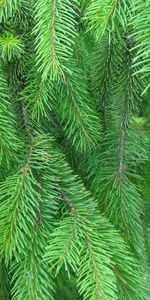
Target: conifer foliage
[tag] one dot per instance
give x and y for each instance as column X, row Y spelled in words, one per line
column 74, row 149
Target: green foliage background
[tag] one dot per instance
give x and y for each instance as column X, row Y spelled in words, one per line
column 74, row 149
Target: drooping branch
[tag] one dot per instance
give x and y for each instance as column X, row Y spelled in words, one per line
column 95, row 270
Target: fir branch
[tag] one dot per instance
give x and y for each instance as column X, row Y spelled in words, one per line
column 98, row 286
column 12, row 240
column 94, row 266
column 141, row 32
column 118, row 195
column 79, row 118
column 34, row 279
column 55, row 37
column 106, row 61
column 65, row 246
column 95, row 228
column 67, row 249
column 107, row 15
column 10, row 47
column 9, row 142
column 54, row 231
column 38, row 95
column 19, row 194
column 7, row 8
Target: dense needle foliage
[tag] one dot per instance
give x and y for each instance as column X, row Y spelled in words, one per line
column 74, row 149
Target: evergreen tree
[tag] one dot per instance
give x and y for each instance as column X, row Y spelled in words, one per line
column 74, row 149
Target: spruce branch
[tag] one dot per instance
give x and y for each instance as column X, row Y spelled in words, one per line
column 35, row 279
column 106, row 243
column 9, row 141
column 19, row 194
column 139, row 20
column 10, row 47
column 72, row 219
column 7, row 9
column 103, row 16
column 38, row 95
column 118, row 195
column 55, row 31
column 107, row 59
column 78, row 114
